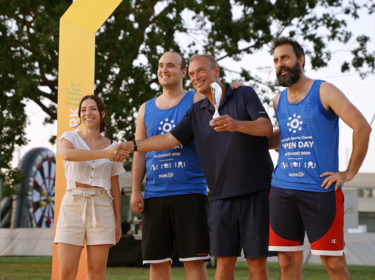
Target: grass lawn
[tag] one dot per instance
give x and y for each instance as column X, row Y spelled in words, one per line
column 34, row 268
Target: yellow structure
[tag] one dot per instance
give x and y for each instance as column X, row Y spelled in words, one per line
column 76, row 79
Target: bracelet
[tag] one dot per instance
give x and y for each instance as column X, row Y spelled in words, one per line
column 135, row 146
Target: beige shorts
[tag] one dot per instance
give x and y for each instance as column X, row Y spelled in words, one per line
column 86, row 213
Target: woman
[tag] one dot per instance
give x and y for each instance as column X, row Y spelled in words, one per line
column 90, row 208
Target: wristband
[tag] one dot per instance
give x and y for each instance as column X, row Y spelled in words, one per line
column 135, row 146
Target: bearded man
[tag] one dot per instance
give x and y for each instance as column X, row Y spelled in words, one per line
column 306, row 193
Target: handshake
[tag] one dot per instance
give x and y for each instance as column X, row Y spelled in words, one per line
column 121, row 151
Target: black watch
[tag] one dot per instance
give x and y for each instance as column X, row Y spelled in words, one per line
column 135, row 146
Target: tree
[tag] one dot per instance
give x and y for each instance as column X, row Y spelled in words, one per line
column 138, row 32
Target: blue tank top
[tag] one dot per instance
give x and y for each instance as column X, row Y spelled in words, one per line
column 308, row 142
column 176, row 171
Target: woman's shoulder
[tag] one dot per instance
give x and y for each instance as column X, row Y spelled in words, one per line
column 69, row 133
column 108, row 142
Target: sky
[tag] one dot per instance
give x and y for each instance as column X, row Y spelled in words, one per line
column 360, row 92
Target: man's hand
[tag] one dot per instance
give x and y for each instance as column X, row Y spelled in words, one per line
column 237, row 84
column 338, row 177
column 137, row 202
column 122, row 151
column 224, row 123
column 128, row 146
column 114, row 152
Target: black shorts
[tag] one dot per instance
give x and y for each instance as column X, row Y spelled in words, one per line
column 321, row 214
column 240, row 222
column 177, row 219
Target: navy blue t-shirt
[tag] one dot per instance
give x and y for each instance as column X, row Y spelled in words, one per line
column 233, row 163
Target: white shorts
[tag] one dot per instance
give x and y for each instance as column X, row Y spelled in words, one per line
column 86, row 213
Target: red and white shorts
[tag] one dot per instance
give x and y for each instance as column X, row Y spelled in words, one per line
column 319, row 214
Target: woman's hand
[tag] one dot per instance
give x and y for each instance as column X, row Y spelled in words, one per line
column 118, row 232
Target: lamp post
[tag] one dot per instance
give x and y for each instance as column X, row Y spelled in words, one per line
column 268, row 70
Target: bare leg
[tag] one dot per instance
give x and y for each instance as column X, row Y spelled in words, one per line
column 336, row 267
column 160, row 271
column 290, row 264
column 195, row 270
column 68, row 260
column 97, row 256
column 225, row 268
column 257, row 268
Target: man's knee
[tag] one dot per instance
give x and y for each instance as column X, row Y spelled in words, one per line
column 160, row 266
column 290, row 259
column 334, row 263
column 226, row 263
column 257, row 265
column 160, row 271
column 192, row 265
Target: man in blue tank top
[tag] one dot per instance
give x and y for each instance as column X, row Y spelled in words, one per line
column 233, row 153
column 306, row 193
column 174, row 204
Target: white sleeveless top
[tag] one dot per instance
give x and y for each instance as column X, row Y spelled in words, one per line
column 96, row 172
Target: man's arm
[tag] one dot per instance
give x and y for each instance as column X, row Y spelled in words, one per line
column 155, row 143
column 260, row 124
column 259, row 127
column 183, row 131
column 164, row 141
column 274, row 139
column 334, row 100
column 139, row 164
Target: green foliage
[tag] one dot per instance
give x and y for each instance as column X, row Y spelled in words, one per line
column 10, row 179
column 12, row 132
column 130, row 42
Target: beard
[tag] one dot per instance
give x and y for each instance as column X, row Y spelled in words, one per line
column 291, row 78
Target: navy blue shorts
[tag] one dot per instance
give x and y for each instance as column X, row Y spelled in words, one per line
column 240, row 222
column 320, row 214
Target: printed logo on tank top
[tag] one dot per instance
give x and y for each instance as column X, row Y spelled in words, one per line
column 295, row 123
column 297, row 148
column 166, row 126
